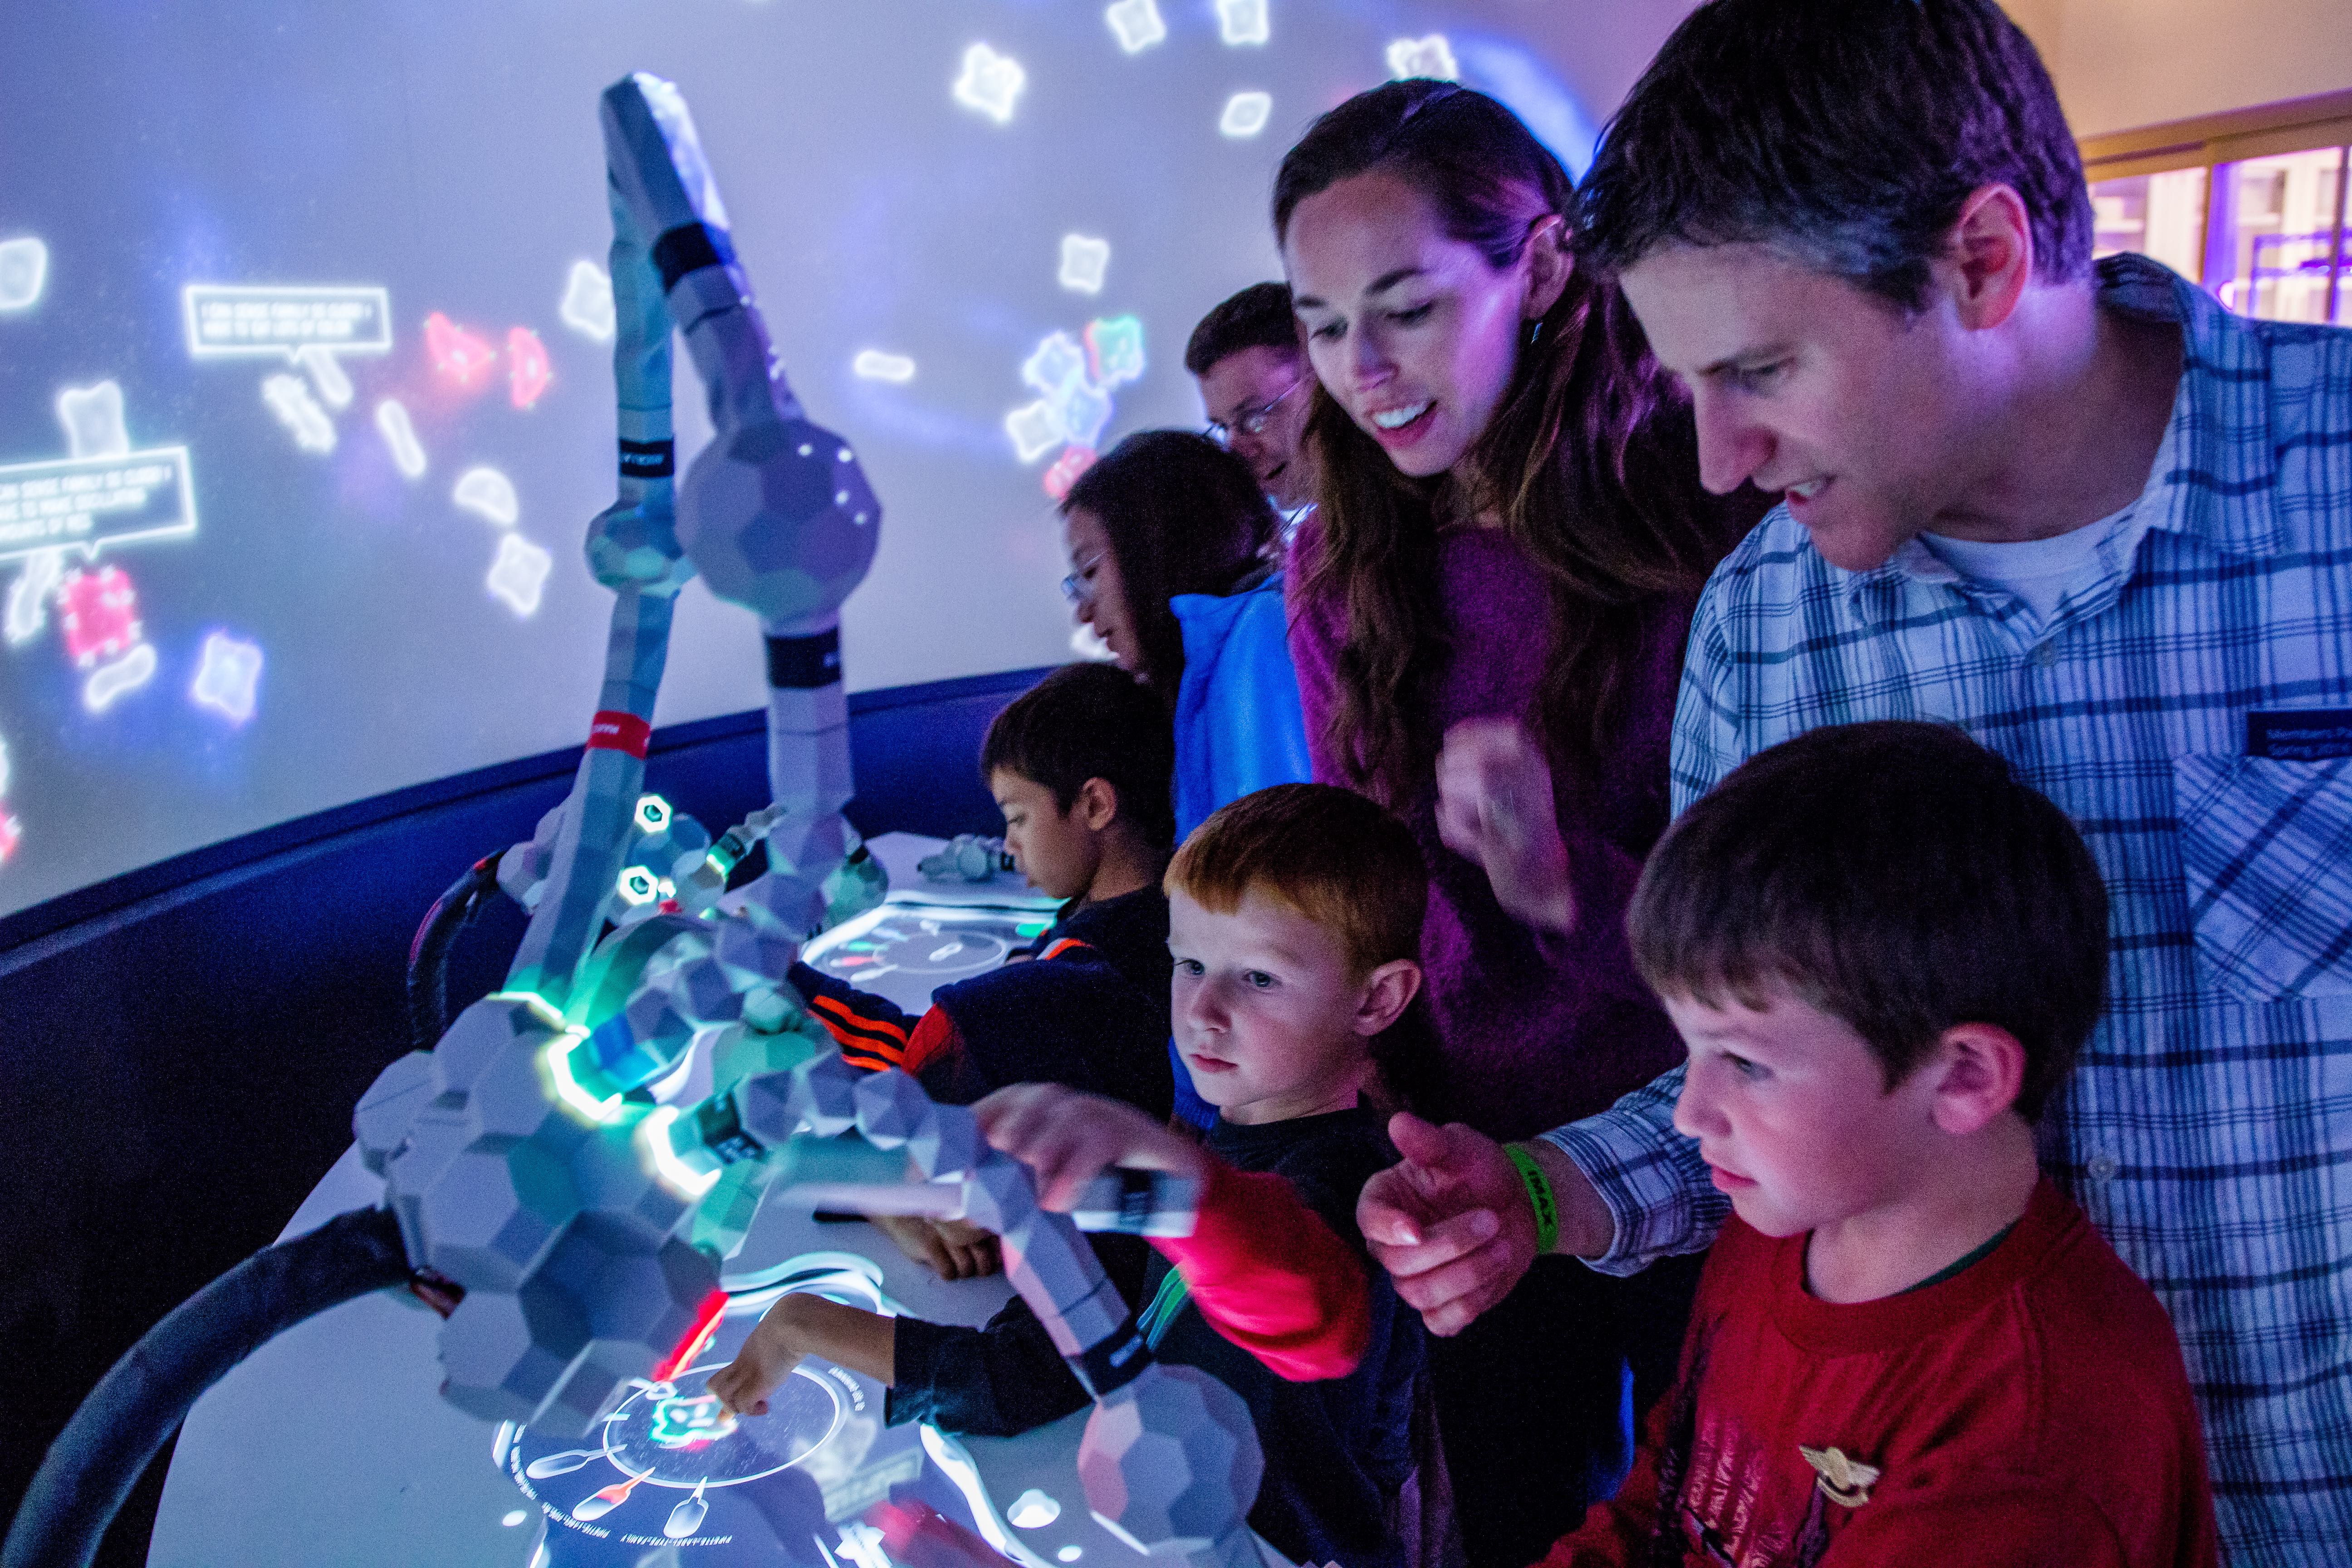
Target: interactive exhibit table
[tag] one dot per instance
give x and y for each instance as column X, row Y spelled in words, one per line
column 331, row 1444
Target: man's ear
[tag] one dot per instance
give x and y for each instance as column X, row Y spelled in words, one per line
column 1988, row 259
column 1550, row 264
column 1978, row 1070
column 1097, row 805
column 1386, row 992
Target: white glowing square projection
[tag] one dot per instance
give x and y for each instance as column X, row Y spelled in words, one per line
column 290, row 398
column 1245, row 114
column 519, row 573
column 487, row 494
column 1136, row 24
column 1242, row 21
column 587, row 307
column 24, row 267
column 1431, row 57
column 227, row 679
column 391, row 422
column 990, row 82
column 873, row 365
column 93, row 416
column 1057, row 362
column 1035, row 430
column 1083, row 263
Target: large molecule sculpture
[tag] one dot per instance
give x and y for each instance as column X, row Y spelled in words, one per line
column 579, row 1223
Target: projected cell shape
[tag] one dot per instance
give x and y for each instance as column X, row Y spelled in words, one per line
column 228, row 677
column 587, row 307
column 99, row 614
column 1243, row 22
column 460, row 358
column 125, row 675
column 990, row 82
column 1082, row 411
column 519, row 573
column 1431, row 57
column 289, row 397
column 326, row 373
column 1035, row 430
column 487, row 494
column 93, row 416
column 1054, row 365
column 1115, row 350
column 1136, row 24
column 392, row 423
column 12, row 833
column 1033, row 1510
column 1083, row 263
column 29, row 595
column 873, row 365
column 1245, row 114
column 4, row 767
column 24, row 269
column 1065, row 469
column 528, row 372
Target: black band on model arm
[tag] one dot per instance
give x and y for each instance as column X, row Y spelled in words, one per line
column 804, row 664
column 1118, row 1361
column 690, row 247
column 648, row 459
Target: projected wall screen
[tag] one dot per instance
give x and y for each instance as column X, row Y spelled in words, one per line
column 305, row 390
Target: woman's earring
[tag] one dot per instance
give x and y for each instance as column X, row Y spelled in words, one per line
column 1535, row 332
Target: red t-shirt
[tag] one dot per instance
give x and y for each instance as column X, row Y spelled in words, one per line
column 2031, row 1410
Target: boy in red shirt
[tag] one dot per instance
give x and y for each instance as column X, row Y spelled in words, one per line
column 1909, row 1346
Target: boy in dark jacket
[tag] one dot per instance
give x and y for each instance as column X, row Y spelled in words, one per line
column 1079, row 764
column 1295, row 923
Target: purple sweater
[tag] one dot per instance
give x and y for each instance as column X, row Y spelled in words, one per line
column 1539, row 1028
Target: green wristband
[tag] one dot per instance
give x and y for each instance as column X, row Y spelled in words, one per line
column 1539, row 1196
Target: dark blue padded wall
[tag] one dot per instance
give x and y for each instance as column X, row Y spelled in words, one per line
column 180, row 1047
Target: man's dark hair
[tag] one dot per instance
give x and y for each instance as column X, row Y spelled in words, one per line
column 1898, row 877
column 1257, row 318
column 1091, row 721
column 1844, row 133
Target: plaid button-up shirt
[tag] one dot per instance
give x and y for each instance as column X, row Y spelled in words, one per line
column 2208, row 1126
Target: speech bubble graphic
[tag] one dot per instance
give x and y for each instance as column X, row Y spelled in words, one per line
column 94, row 502
column 232, row 320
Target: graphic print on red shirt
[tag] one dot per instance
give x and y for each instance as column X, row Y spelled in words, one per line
column 2031, row 1410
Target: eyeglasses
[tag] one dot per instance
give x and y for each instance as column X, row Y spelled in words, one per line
column 1253, row 419
column 1075, row 587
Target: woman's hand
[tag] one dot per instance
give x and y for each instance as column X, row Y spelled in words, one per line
column 950, row 1248
column 1494, row 807
column 1069, row 1138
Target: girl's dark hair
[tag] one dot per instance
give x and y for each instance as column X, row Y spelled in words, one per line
column 1847, row 133
column 1591, row 461
column 1185, row 516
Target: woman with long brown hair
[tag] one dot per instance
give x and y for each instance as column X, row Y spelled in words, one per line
column 1488, row 612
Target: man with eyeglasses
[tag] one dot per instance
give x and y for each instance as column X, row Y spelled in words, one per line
column 1257, row 389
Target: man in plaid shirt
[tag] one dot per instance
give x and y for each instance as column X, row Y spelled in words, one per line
column 2093, row 518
